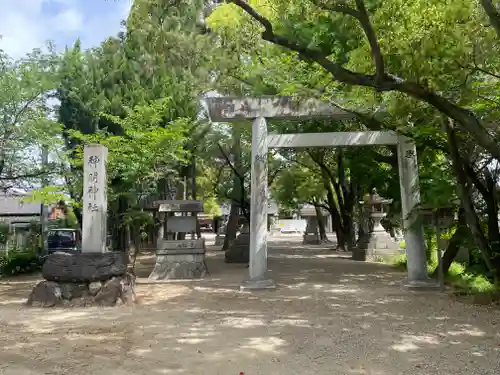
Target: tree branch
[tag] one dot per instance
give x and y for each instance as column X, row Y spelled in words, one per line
column 493, row 15
column 467, row 120
column 367, row 27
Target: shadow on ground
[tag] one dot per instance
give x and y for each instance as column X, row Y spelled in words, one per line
column 328, row 316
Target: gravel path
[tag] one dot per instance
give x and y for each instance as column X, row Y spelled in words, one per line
column 329, row 316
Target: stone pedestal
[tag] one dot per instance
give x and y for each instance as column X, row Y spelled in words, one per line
column 239, row 249
column 219, row 239
column 182, row 259
column 311, row 235
column 87, row 279
column 376, row 245
column 221, row 236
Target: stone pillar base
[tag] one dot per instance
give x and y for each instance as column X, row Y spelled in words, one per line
column 219, row 239
column 239, row 249
column 311, row 239
column 86, row 279
column 421, row 285
column 260, row 284
column 179, row 264
column 376, row 246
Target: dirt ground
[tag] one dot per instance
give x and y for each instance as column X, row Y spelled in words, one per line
column 329, row 315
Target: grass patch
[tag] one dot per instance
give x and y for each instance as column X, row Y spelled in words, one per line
column 458, row 277
column 467, row 282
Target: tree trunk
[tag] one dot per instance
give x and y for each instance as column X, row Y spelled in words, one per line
column 454, row 244
column 334, row 213
column 238, row 191
column 134, row 247
column 321, row 224
column 492, row 212
column 232, row 225
column 465, row 196
column 122, row 240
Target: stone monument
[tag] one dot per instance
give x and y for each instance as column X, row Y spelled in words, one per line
column 94, row 276
column 95, row 202
column 221, row 235
column 311, row 234
column 239, row 248
column 176, row 257
column 377, row 242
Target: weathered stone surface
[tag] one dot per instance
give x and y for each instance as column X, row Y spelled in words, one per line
column 239, row 249
column 109, row 293
column 128, row 295
column 70, row 291
column 85, row 267
column 118, row 290
column 376, row 246
column 45, row 294
column 179, row 266
column 95, row 287
column 219, row 239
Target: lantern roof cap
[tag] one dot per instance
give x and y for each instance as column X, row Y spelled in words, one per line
column 375, row 198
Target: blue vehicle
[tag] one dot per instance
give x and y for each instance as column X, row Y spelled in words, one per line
column 64, row 239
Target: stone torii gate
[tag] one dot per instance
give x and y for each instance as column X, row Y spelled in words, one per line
column 227, row 109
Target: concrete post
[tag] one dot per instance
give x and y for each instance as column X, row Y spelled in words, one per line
column 413, row 231
column 258, row 209
column 95, row 203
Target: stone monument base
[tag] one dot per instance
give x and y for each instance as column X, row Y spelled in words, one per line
column 311, row 239
column 181, row 260
column 421, row 285
column 239, row 249
column 376, row 246
column 85, row 279
column 260, row 284
column 219, row 239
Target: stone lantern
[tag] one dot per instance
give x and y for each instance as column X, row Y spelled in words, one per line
column 376, row 243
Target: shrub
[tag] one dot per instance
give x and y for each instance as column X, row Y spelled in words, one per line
column 18, row 262
column 468, row 282
column 458, row 276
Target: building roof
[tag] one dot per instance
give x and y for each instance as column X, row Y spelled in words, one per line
column 13, row 205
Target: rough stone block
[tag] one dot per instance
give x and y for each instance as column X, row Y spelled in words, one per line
column 376, row 246
column 70, row 291
column 109, row 293
column 117, row 290
column 84, row 267
column 95, row 287
column 45, row 294
column 179, row 266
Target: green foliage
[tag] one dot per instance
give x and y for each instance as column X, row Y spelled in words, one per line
column 459, row 276
column 145, row 151
column 212, row 207
column 4, row 232
column 298, row 185
column 25, row 123
column 18, row 262
column 472, row 283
